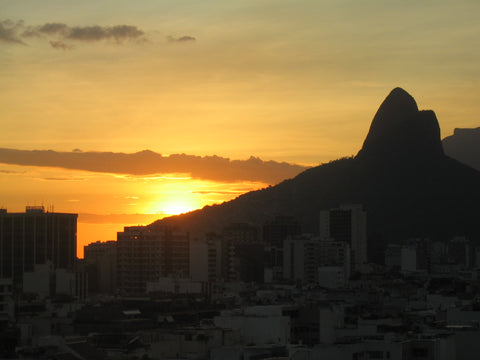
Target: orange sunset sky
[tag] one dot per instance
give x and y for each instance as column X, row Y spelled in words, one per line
column 294, row 82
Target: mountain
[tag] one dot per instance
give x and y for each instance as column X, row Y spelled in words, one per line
column 400, row 132
column 406, row 183
column 464, row 145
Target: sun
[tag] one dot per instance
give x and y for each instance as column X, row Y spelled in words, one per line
column 176, row 203
column 176, row 208
column 177, row 197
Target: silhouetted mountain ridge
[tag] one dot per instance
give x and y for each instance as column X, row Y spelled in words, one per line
column 464, row 145
column 401, row 176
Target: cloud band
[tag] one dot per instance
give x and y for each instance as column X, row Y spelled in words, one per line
column 147, row 162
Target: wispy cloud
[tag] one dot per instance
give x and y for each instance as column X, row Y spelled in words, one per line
column 124, row 219
column 181, row 39
column 58, row 178
column 11, row 172
column 60, row 45
column 220, row 192
column 147, row 162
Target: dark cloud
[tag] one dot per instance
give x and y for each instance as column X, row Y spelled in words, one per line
column 148, row 163
column 60, row 45
column 121, row 32
column 88, row 33
column 30, row 32
column 60, row 34
column 56, row 33
column 97, row 33
column 9, row 30
column 181, row 39
column 53, row 28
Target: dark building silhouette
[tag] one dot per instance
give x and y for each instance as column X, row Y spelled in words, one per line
column 144, row 255
column 214, row 256
column 348, row 224
column 248, row 262
column 308, row 259
column 278, row 229
column 459, row 251
column 36, row 237
column 275, row 232
column 242, row 253
column 101, row 266
column 241, row 233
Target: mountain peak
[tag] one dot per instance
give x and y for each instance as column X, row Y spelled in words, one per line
column 400, row 98
column 399, row 130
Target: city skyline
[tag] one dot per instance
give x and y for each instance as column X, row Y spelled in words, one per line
column 283, row 81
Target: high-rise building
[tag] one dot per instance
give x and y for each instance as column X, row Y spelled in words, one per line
column 36, row 237
column 347, row 223
column 242, row 253
column 306, row 256
column 459, row 251
column 234, row 255
column 278, row 229
column 101, row 266
column 274, row 233
column 214, row 257
column 7, row 303
column 206, row 258
column 300, row 258
column 335, row 253
column 145, row 254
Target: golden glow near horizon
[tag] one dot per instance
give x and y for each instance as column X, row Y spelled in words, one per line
column 107, row 202
column 294, row 81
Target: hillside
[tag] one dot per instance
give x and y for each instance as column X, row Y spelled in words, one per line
column 406, row 183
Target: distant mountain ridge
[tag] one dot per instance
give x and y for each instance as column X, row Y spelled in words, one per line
column 464, row 146
column 406, row 183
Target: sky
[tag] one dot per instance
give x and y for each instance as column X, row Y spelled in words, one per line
column 209, row 96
